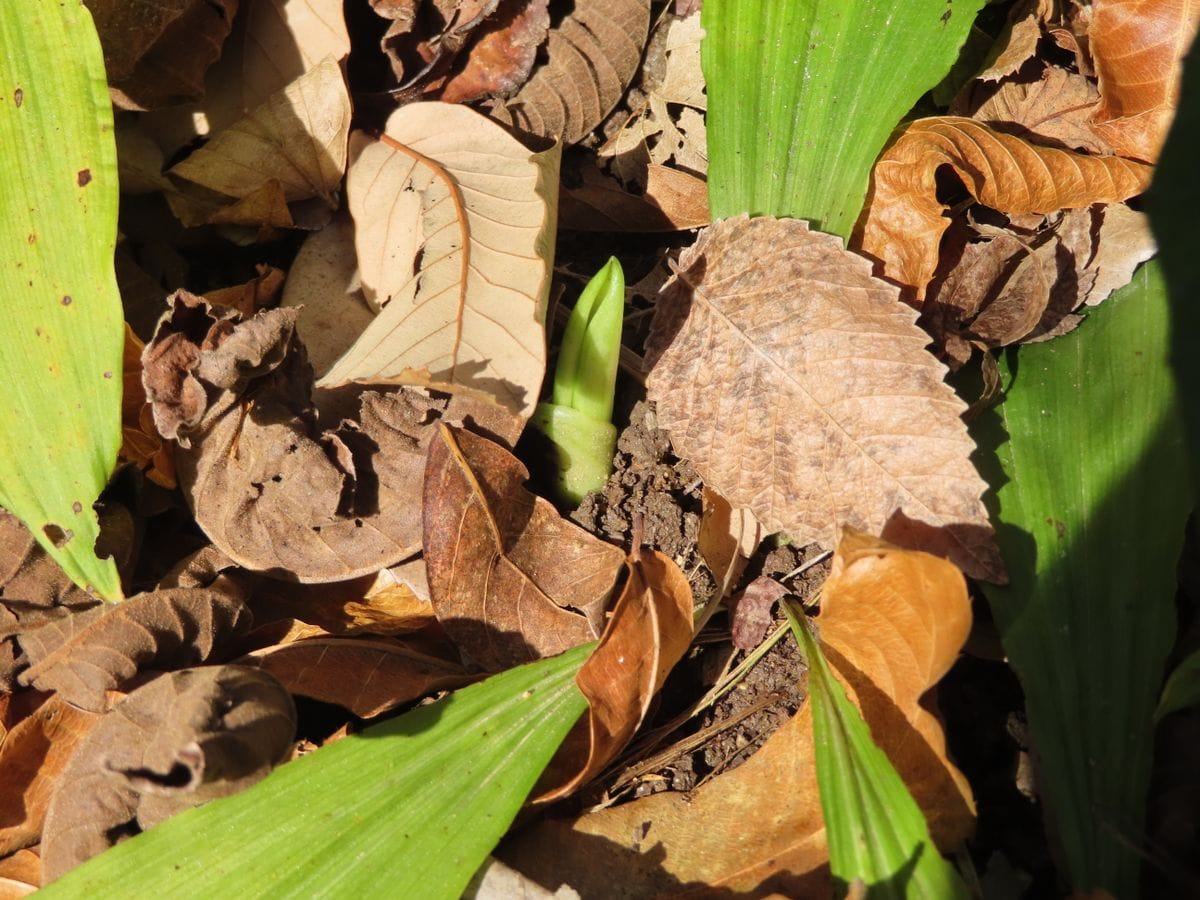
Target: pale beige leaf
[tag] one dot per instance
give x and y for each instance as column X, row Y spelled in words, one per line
column 592, row 56
column 800, row 388
column 683, row 82
column 297, row 138
column 286, row 38
column 454, row 225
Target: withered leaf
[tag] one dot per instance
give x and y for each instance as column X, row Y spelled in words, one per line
column 178, row 741
column 648, row 633
column 1054, row 109
column 502, row 53
column 751, row 615
column 285, row 39
column 367, row 677
column 893, row 622
column 728, row 538
column 32, row 757
column 268, row 486
column 105, row 647
column 510, row 579
column 904, row 219
column 591, row 56
column 800, row 388
column 20, row 874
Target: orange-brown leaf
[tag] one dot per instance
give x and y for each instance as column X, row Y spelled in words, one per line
column 904, row 220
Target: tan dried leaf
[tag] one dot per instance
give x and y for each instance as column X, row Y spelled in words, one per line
column 673, row 201
column 296, row 140
column 511, row 580
column 502, row 53
column 286, row 38
column 893, row 622
column 454, row 226
column 1018, row 43
column 1055, row 109
column 1138, row 48
column 591, row 57
column 178, row 741
column 105, row 647
column 904, row 220
column 800, row 388
column 728, row 538
column 20, row 874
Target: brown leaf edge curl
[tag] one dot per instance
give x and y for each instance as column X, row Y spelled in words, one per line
column 178, row 741
column 272, row 490
column 903, row 220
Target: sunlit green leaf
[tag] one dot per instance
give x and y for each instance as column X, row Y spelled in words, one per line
column 61, row 333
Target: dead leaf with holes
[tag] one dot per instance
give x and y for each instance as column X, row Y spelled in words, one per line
column 178, row 741
column 510, row 579
column 801, row 389
column 289, row 150
column 454, row 225
column 1138, row 48
column 892, row 623
column 904, row 220
column 273, row 487
column 592, row 56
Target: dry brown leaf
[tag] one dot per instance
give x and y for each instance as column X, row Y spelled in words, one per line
column 673, row 201
column 20, row 874
column 801, row 389
column 157, row 54
column 502, row 53
column 1055, row 109
column 454, row 224
column 649, row 631
column 248, row 298
column 1018, row 43
column 1138, row 48
column 591, row 57
column 286, row 38
column 367, row 677
column 104, row 648
column 291, row 148
column 728, row 538
column 893, row 622
column 323, row 284
column 178, row 741
column 32, row 757
column 751, row 616
column 904, row 222
column 141, row 444
column 511, row 580
column 268, row 486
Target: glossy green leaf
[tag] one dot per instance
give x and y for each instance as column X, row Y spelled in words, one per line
column 407, row 808
column 877, row 833
column 61, row 333
column 803, row 95
column 1093, row 492
column 1182, row 688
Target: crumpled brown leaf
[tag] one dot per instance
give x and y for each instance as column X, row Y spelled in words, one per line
column 141, row 443
column 105, row 647
column 1054, row 110
column 181, row 740
column 591, row 56
column 156, row 54
column 801, row 389
column 1138, row 48
column 510, row 579
column 502, row 53
column 272, row 489
column 903, row 221
column 367, row 677
column 892, row 623
column 32, row 757
column 649, row 631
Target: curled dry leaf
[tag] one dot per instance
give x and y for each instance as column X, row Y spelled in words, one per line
column 20, row 874
column 502, row 54
column 286, row 38
column 591, row 57
column 157, row 54
column 649, row 631
column 1138, row 47
column 510, row 579
column 178, row 741
column 141, row 444
column 268, row 486
column 728, row 538
column 893, row 623
column 32, row 757
column 1055, row 109
column 105, row 647
column 367, row 677
column 904, row 220
column 454, row 225
column 250, row 296
column 802, row 390
column 291, row 148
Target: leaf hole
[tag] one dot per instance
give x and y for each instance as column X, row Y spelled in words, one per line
column 57, row 536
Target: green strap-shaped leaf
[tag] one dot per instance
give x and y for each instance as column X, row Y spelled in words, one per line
column 61, row 332
column 1093, row 494
column 803, row 95
column 408, row 808
column 877, row 833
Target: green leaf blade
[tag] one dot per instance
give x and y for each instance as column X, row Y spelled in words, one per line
column 803, row 96
column 1093, row 493
column 61, row 336
column 411, row 806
